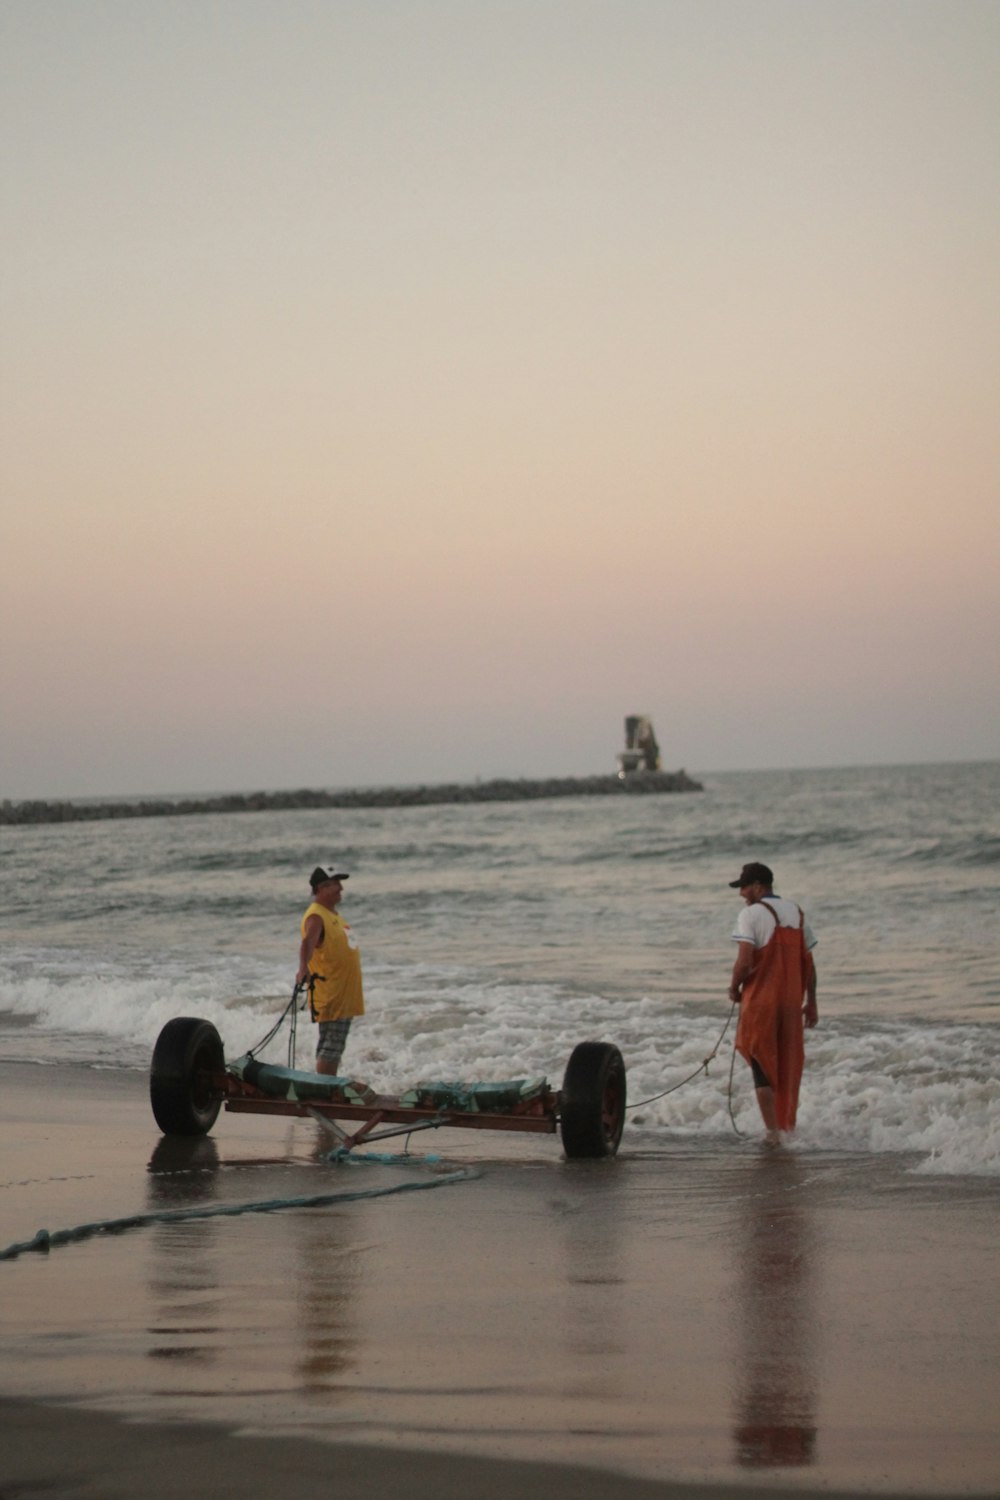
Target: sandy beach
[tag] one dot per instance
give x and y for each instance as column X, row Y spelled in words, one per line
column 711, row 1316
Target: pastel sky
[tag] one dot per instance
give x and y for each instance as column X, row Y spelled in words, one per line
column 406, row 390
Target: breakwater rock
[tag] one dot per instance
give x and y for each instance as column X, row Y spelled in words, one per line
column 646, row 783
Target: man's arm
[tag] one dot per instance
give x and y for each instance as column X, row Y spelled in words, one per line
column 310, row 942
column 809, row 1011
column 742, row 969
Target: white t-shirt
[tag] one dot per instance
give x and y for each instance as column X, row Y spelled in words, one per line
column 756, row 923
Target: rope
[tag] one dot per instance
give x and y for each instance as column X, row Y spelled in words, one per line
column 46, row 1240
column 701, row 1068
column 293, row 1028
column 277, row 1025
column 291, row 1009
column 729, row 1096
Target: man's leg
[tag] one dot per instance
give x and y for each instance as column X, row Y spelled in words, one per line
column 765, row 1102
column 330, row 1046
column 768, row 1113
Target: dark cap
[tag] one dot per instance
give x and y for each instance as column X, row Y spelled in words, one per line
column 753, row 874
column 320, row 876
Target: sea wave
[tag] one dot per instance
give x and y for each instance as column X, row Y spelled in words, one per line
column 977, row 851
column 926, row 1090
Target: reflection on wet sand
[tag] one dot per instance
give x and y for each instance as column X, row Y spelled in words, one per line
column 774, row 1417
column 328, row 1282
column 197, row 1308
column 328, row 1270
column 591, row 1322
column 183, row 1171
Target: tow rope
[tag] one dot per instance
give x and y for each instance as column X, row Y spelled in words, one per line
column 292, row 1011
column 701, row 1068
column 47, row 1240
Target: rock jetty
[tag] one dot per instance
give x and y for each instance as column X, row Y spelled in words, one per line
column 503, row 790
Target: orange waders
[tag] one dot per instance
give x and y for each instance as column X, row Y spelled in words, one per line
column 771, row 1029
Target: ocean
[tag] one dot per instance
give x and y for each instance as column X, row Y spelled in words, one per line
column 496, row 936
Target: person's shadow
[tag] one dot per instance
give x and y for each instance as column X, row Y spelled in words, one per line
column 774, row 1417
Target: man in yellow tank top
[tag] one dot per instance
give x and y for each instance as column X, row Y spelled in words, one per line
column 330, row 962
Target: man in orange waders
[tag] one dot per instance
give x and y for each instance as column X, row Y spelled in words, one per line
column 774, row 981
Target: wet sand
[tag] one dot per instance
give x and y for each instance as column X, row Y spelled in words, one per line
column 707, row 1315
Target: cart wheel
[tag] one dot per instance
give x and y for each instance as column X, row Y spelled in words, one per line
column 185, row 1101
column 592, row 1105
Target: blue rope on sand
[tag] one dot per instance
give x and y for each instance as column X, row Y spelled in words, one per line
column 344, row 1156
column 47, row 1240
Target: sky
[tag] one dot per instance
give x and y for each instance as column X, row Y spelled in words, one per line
column 403, row 391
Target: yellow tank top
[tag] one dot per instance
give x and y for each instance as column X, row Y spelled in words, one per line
column 336, row 962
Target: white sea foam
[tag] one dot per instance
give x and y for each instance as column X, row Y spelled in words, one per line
column 927, row 1090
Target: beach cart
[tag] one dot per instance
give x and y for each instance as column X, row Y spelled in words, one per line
column 190, row 1081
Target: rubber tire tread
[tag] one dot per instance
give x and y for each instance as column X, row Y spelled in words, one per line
column 595, row 1071
column 185, row 1050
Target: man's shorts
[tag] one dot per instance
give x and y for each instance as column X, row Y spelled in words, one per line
column 760, row 1078
column 332, row 1041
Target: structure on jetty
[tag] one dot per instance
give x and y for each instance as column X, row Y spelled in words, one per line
column 416, row 796
column 641, row 753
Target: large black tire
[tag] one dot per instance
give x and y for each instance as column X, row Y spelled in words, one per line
column 185, row 1099
column 592, row 1104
